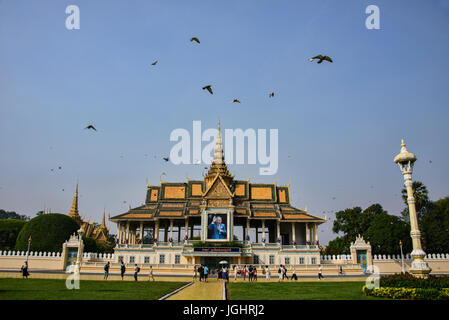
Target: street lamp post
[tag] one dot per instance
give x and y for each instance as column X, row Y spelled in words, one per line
column 28, row 250
column 405, row 160
column 402, row 257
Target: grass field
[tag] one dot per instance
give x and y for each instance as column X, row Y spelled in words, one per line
column 297, row 291
column 51, row 289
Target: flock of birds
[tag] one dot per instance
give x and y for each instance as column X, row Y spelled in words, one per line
column 320, row 59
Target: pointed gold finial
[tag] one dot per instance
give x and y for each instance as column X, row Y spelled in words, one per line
column 187, row 177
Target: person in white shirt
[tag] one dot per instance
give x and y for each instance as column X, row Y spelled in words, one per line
column 267, row 273
column 294, row 274
column 236, row 271
column 320, row 272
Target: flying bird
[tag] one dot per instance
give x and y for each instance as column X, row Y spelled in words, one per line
column 166, row 159
column 195, row 39
column 235, row 100
column 321, row 58
column 90, row 127
column 154, row 63
column 209, row 88
column 59, row 168
column 271, row 95
column 430, row 161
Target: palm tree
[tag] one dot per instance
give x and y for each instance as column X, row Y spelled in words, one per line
column 422, row 201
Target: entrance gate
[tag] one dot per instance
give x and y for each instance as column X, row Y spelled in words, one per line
column 71, row 257
column 361, row 258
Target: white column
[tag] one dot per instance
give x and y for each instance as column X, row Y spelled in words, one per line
column 263, row 230
column 293, row 233
column 186, row 227
column 171, row 229
column 315, row 230
column 119, row 232
column 156, row 233
column 278, row 230
column 307, row 233
column 127, row 231
column 141, row 232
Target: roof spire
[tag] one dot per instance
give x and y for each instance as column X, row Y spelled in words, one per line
column 74, row 214
column 218, row 154
column 103, row 224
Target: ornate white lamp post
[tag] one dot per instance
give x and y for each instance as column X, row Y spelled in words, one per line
column 80, row 249
column 405, row 160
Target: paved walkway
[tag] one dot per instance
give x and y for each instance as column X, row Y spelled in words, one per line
column 211, row 290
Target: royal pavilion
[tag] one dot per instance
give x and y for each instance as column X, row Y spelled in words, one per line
column 215, row 219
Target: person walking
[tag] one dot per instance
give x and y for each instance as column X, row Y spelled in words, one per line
column 236, row 272
column 320, row 272
column 225, row 274
column 340, row 271
column 201, row 271
column 106, row 271
column 250, row 273
column 244, row 273
column 255, row 274
column 150, row 274
column 136, row 271
column 284, row 273
column 24, row 270
column 122, row 270
column 206, row 271
column 294, row 274
column 194, row 273
column 267, row 273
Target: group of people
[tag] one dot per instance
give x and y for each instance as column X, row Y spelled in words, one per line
column 123, row 270
column 282, row 272
column 203, row 271
column 247, row 271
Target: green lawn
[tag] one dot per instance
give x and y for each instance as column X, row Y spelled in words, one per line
column 297, row 291
column 50, row 289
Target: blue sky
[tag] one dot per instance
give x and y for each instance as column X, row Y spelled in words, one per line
column 341, row 123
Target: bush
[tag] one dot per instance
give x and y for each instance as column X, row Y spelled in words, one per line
column 407, row 293
column 9, row 230
column 48, row 232
column 409, row 281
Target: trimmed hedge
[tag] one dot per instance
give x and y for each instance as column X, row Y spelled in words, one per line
column 407, row 293
column 48, row 232
column 407, row 280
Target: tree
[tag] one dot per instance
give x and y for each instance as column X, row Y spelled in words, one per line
column 382, row 230
column 353, row 222
column 48, row 232
column 90, row 245
column 422, row 202
column 12, row 215
column 434, row 226
column 9, row 230
column 385, row 232
column 340, row 245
